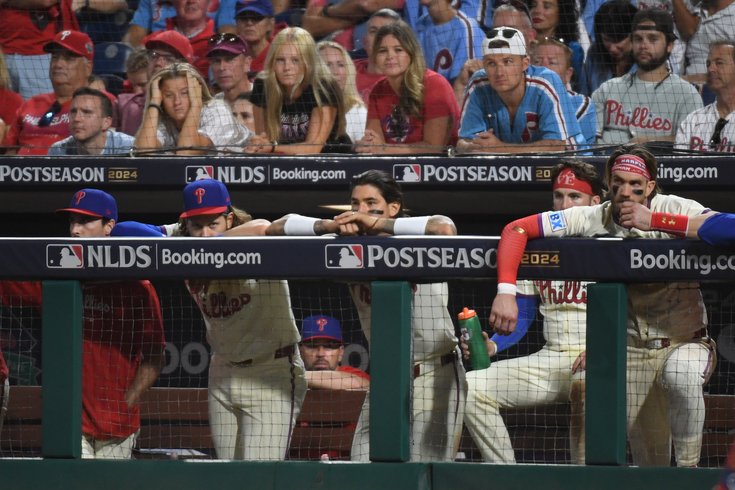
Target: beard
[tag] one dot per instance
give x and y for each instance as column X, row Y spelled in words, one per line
column 653, row 63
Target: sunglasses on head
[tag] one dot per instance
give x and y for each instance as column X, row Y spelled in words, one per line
column 49, row 115
column 506, row 33
column 222, row 38
column 716, row 138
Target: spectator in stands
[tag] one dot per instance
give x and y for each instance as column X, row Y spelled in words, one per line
column 90, row 119
column 557, row 57
column 162, row 49
column 44, row 119
column 27, row 27
column 256, row 25
column 123, row 345
column 230, row 58
column 322, row 349
column 558, row 19
column 650, row 103
column 712, row 128
column 699, row 26
column 513, row 14
column 192, row 21
column 136, row 71
column 340, row 64
column 448, row 38
column 152, row 15
column 242, row 109
column 513, row 106
column 10, row 101
column 555, row 373
column 323, row 18
column 411, row 110
column 610, row 54
column 298, row 105
column 367, row 72
column 181, row 116
column 130, row 104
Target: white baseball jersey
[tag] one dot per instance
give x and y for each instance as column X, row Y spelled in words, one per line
column 245, row 318
column 564, row 308
column 669, row 310
column 432, row 329
column 698, row 127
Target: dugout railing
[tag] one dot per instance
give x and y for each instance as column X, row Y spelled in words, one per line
column 390, row 264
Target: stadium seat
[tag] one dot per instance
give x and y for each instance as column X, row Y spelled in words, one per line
column 109, row 58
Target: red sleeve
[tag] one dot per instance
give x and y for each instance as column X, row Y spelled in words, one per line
column 20, row 293
column 439, row 99
column 513, row 244
column 68, row 17
column 357, row 372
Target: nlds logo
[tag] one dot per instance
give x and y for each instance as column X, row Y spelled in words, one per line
column 344, row 257
column 65, row 256
column 407, row 172
column 199, row 172
column 72, row 256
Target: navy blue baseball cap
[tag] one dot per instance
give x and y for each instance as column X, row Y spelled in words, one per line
column 92, row 202
column 136, row 229
column 262, row 7
column 207, row 196
column 321, row 327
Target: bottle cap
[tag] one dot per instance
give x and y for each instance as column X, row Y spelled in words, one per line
column 466, row 314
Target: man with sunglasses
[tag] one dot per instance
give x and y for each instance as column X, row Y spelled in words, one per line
column 256, row 26
column 44, row 119
column 514, row 107
column 230, row 58
column 164, row 48
column 712, row 128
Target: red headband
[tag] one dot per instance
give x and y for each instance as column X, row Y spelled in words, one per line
column 567, row 180
column 632, row 164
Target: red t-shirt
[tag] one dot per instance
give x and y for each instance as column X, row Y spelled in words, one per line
column 365, row 81
column 9, row 103
column 438, row 101
column 200, row 45
column 25, row 32
column 122, row 323
column 259, row 61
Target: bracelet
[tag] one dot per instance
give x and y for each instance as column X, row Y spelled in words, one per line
column 507, row 288
column 274, row 145
column 676, row 224
column 156, row 106
column 410, row 226
column 297, row 225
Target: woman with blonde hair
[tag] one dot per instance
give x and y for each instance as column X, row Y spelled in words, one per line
column 340, row 64
column 298, row 106
column 180, row 114
column 413, row 109
column 9, row 101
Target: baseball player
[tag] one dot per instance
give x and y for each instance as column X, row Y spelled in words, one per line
column 669, row 355
column 322, row 349
column 713, row 228
column 123, row 343
column 256, row 376
column 556, row 372
column 439, row 386
column 513, row 107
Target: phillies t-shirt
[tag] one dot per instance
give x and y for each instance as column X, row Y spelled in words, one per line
column 25, row 32
column 27, row 136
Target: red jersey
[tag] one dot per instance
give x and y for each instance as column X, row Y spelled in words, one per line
column 357, row 372
column 438, row 101
column 122, row 325
column 9, row 103
column 200, row 45
column 365, row 81
column 25, row 32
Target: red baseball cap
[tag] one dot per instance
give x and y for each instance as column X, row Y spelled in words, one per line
column 77, row 42
column 173, row 40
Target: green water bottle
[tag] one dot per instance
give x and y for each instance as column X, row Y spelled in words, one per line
column 469, row 326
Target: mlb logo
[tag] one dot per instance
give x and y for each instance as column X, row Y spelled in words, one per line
column 407, row 172
column 343, row 256
column 557, row 221
column 64, row 257
column 199, row 172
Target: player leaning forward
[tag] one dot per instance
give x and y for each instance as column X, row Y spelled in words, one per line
column 256, row 376
column 669, row 354
column 439, row 386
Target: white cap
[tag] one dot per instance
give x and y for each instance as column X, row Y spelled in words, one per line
column 513, row 37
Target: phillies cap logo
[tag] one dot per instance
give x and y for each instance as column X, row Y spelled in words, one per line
column 78, row 197
column 322, row 322
column 65, row 34
column 199, row 193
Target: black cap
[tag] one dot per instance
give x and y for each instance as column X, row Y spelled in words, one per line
column 661, row 19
